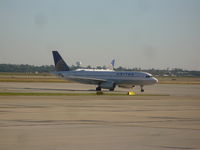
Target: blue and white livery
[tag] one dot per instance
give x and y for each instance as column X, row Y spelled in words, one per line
column 107, row 79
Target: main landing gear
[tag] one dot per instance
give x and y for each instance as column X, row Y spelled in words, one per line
column 98, row 88
column 111, row 89
column 142, row 89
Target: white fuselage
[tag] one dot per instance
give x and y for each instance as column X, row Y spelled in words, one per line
column 117, row 77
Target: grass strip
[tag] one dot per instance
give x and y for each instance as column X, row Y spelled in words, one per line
column 75, row 94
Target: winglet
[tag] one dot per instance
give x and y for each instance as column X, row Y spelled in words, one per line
column 60, row 64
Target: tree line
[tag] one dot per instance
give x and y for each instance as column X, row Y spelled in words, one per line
column 25, row 68
column 50, row 68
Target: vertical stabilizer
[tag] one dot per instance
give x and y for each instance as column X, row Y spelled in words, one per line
column 60, row 64
column 112, row 65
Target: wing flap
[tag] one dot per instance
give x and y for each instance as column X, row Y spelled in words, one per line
column 86, row 80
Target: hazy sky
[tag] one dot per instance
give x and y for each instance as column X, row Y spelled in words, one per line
column 137, row 33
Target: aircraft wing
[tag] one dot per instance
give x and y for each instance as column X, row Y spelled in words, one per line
column 87, row 80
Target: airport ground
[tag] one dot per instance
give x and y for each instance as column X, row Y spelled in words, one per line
column 167, row 117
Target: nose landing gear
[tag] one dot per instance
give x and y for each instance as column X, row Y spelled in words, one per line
column 142, row 89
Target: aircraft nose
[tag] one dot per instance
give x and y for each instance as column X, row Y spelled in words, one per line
column 155, row 80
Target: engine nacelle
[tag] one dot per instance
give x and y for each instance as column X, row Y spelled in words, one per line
column 60, row 75
column 108, row 85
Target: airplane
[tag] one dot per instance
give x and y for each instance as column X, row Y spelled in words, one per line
column 108, row 79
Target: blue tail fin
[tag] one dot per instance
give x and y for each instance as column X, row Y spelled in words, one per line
column 60, row 64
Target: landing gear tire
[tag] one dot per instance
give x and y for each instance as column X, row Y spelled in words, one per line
column 98, row 89
column 111, row 89
column 142, row 90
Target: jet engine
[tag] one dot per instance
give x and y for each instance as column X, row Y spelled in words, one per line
column 108, row 85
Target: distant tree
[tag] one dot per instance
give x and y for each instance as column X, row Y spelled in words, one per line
column 49, row 68
column 99, row 67
column 89, row 67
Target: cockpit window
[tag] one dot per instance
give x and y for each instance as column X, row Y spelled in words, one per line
column 148, row 76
